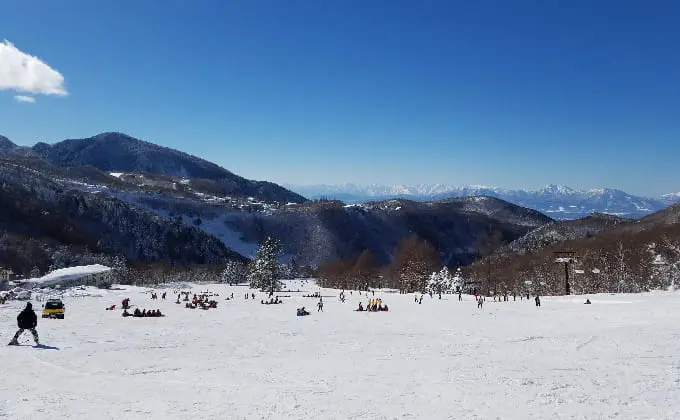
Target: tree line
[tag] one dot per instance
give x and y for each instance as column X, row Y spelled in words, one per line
column 625, row 261
column 414, row 262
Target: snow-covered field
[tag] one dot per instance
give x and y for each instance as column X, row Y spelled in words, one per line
column 616, row 358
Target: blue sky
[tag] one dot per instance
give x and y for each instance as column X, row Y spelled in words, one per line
column 504, row 93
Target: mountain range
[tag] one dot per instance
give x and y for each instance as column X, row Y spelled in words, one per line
column 557, row 201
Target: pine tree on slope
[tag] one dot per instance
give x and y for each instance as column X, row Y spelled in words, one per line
column 234, row 273
column 265, row 270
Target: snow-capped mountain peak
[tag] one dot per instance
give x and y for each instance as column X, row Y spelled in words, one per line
column 556, row 189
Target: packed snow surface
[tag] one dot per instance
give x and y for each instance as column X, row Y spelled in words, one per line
column 69, row 273
column 616, row 358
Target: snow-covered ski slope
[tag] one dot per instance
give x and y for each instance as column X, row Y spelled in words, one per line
column 616, row 358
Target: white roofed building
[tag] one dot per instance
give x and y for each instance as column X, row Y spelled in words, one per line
column 86, row 275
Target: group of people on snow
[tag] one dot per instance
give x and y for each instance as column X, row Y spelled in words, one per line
column 142, row 314
column 374, row 305
column 203, row 301
column 154, row 295
column 271, row 301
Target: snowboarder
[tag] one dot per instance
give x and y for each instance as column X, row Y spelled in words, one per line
column 460, row 296
column 480, row 302
column 163, row 295
column 538, row 301
column 26, row 320
column 420, row 301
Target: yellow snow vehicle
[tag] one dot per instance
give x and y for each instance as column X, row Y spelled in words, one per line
column 53, row 308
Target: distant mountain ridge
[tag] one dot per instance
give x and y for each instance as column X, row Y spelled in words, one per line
column 557, row 201
column 122, row 153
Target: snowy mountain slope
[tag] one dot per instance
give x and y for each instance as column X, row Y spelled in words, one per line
column 117, row 152
column 564, row 230
column 558, row 201
column 41, row 214
column 312, row 232
column 670, row 198
column 616, row 358
column 315, row 232
column 318, row 232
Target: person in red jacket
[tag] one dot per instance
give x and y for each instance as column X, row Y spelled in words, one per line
column 26, row 320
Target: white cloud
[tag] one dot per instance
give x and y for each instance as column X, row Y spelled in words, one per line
column 23, row 98
column 25, row 73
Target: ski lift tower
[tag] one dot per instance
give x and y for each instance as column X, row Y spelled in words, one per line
column 566, row 258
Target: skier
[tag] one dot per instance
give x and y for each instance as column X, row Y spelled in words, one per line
column 480, row 302
column 460, row 296
column 320, row 305
column 26, row 320
column 538, row 301
column 163, row 295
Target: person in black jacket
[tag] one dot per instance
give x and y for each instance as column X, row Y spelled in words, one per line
column 26, row 320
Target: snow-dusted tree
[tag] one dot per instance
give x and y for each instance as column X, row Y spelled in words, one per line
column 440, row 281
column 434, row 283
column 626, row 283
column 234, row 273
column 121, row 272
column 457, row 281
column 264, row 273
